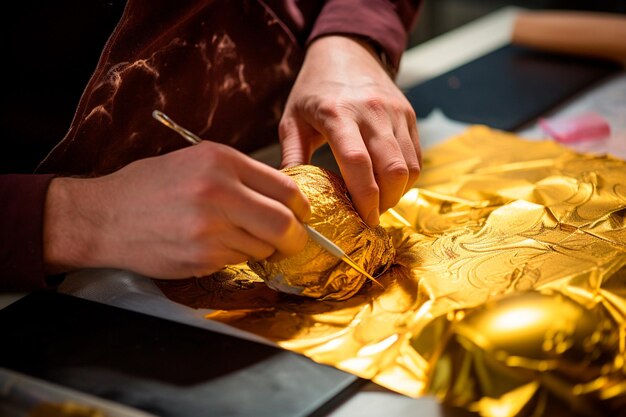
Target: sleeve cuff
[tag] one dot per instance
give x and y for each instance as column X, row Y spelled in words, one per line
column 21, row 232
column 377, row 21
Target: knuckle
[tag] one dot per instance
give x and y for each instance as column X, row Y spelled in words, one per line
column 328, row 109
column 414, row 168
column 294, row 198
column 331, row 114
column 291, row 189
column 396, row 171
column 285, row 127
column 410, row 114
column 283, row 224
column 375, row 105
column 201, row 189
column 208, row 150
column 216, row 154
column 356, row 157
column 413, row 178
column 369, row 192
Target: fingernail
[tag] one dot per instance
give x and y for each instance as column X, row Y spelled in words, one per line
column 373, row 218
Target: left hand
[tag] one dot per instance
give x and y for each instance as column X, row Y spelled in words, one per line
column 343, row 96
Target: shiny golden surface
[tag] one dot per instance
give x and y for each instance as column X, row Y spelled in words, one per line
column 314, row 272
column 508, row 291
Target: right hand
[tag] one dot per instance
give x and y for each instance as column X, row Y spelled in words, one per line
column 344, row 96
column 187, row 213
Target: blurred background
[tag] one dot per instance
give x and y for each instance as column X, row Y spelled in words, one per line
column 440, row 16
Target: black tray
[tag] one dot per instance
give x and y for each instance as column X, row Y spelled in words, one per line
column 508, row 88
column 160, row 366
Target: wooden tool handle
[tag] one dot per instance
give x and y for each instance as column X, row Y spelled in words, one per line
column 601, row 35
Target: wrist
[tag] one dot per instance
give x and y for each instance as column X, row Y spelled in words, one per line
column 356, row 44
column 70, row 234
column 378, row 52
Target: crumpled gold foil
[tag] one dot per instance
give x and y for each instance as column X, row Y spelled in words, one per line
column 314, row 272
column 508, row 291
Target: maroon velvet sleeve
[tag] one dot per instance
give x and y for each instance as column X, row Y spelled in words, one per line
column 21, row 231
column 385, row 22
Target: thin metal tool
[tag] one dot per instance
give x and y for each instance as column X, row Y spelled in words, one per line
column 319, row 238
column 336, row 251
column 167, row 121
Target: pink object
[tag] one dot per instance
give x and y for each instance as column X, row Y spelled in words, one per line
column 587, row 126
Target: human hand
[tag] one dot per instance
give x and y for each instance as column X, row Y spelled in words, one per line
column 344, row 97
column 186, row 213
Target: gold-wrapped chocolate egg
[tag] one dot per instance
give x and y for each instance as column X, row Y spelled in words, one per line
column 524, row 345
column 314, row 272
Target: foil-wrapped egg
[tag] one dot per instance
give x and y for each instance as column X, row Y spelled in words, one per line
column 541, row 331
column 314, row 272
column 525, row 345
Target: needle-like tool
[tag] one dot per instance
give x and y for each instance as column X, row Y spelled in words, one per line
column 336, row 251
column 319, row 238
column 167, row 121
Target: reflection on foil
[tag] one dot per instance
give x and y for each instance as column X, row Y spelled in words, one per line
column 507, row 295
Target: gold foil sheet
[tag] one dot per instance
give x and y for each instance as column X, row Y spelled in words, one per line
column 507, row 295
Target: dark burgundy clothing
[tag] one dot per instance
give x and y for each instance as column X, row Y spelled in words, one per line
column 222, row 70
column 21, row 247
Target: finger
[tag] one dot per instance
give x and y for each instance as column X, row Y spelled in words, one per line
column 275, row 185
column 355, row 165
column 268, row 220
column 409, row 154
column 415, row 167
column 219, row 259
column 388, row 160
column 298, row 141
column 242, row 244
column 226, row 245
